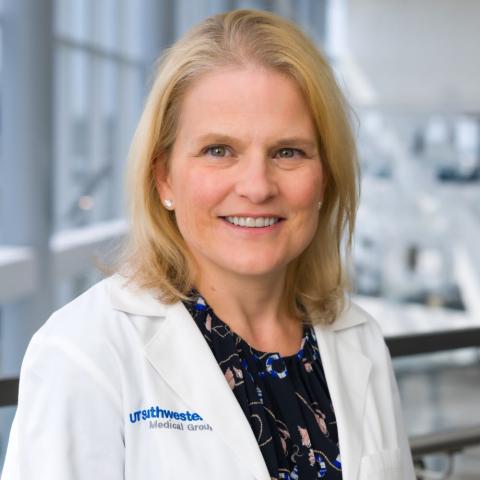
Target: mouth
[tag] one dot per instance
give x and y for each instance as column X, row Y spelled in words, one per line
column 252, row 222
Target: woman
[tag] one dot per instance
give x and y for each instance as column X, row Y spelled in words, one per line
column 225, row 347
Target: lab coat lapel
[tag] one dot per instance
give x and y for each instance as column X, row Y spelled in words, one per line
column 347, row 372
column 183, row 358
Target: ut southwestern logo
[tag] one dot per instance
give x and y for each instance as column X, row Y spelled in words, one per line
column 161, row 418
column 157, row 412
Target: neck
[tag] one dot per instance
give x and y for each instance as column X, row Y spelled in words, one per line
column 253, row 307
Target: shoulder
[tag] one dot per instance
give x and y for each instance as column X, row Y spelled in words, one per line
column 75, row 334
column 108, row 307
column 96, row 329
column 94, row 343
column 360, row 330
column 85, row 316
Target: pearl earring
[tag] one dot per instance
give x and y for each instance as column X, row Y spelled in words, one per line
column 319, row 205
column 168, row 204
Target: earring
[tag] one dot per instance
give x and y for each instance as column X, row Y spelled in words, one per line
column 168, row 204
column 319, row 205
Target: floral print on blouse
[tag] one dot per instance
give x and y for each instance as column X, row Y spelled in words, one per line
column 285, row 399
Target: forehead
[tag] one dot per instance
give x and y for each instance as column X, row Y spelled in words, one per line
column 245, row 99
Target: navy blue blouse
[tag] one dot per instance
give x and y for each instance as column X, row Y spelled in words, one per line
column 285, row 399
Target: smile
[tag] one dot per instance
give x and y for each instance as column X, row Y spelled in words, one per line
column 251, row 222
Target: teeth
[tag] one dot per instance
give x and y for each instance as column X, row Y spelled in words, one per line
column 251, row 222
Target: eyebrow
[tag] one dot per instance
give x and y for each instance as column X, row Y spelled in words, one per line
column 227, row 139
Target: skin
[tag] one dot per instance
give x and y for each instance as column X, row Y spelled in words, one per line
column 246, row 146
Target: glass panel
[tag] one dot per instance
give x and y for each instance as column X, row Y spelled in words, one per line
column 286, row 8
column 256, row 4
column 105, row 158
column 130, row 102
column 1, row 118
column 6, row 419
column 73, row 19
column 107, row 25
column 1, row 48
column 133, row 36
column 73, row 136
column 187, row 14
column 98, row 105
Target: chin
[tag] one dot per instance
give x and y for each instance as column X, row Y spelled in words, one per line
column 254, row 268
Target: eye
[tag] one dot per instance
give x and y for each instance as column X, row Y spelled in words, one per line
column 217, row 150
column 290, row 152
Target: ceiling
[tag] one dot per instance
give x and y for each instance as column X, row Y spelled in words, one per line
column 421, row 55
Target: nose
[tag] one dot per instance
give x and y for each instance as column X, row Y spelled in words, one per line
column 256, row 180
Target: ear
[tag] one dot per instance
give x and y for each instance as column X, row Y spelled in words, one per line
column 162, row 178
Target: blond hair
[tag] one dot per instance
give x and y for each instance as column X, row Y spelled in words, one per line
column 156, row 256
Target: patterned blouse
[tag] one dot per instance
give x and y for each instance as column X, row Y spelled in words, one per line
column 285, row 399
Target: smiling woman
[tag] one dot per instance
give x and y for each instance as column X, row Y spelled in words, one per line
column 232, row 96
column 225, row 346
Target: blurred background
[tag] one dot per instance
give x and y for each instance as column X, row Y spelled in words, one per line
column 73, row 78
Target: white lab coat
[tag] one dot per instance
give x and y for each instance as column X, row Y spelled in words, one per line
column 115, row 351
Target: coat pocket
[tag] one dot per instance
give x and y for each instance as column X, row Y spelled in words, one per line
column 382, row 465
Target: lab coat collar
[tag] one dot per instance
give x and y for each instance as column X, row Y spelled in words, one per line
column 350, row 316
column 128, row 298
column 195, row 376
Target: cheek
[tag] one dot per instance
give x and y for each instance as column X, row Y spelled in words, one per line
column 308, row 189
column 196, row 196
column 308, row 195
column 305, row 197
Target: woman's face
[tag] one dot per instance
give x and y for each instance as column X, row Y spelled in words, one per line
column 245, row 175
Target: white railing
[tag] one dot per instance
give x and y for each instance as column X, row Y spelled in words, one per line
column 17, row 273
column 72, row 252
